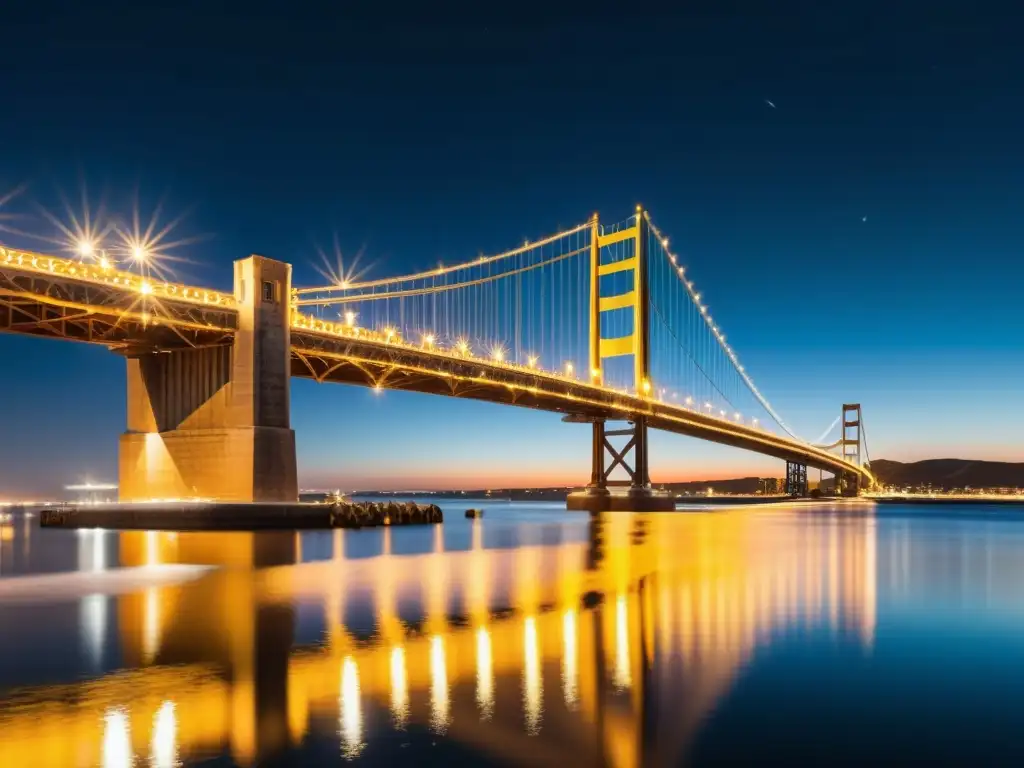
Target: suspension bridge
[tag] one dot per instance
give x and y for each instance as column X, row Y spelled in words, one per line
column 600, row 323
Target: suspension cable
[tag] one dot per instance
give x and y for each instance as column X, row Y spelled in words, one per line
column 481, row 260
column 695, row 297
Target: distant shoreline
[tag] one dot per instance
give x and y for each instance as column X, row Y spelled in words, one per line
column 932, row 500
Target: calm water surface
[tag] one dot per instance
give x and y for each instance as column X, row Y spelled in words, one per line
column 803, row 635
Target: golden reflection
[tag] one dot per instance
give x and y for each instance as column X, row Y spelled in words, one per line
column 351, row 711
column 623, row 677
column 484, row 674
column 399, row 687
column 570, row 671
column 439, row 703
column 150, row 624
column 693, row 596
column 164, row 746
column 117, row 742
column 533, row 685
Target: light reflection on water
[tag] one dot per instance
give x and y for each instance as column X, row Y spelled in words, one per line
column 625, row 640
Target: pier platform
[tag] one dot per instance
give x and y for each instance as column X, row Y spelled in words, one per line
column 621, row 501
column 237, row 516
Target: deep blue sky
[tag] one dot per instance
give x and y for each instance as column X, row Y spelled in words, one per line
column 426, row 138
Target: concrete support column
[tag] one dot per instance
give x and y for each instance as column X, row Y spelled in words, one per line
column 214, row 423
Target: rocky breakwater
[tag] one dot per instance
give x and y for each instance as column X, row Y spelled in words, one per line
column 368, row 514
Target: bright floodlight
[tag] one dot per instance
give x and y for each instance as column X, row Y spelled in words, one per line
column 350, row 318
column 139, row 253
column 85, row 248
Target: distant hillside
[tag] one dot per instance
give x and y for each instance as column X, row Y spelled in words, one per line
column 950, row 473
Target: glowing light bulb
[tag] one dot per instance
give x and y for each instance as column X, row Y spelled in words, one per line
column 350, row 318
column 595, row 373
column 531, row 361
column 646, row 385
column 145, row 288
column 568, row 369
column 498, row 354
column 462, row 347
column 428, row 339
column 389, row 333
column 689, row 401
column 104, row 262
column 139, row 253
column 85, row 248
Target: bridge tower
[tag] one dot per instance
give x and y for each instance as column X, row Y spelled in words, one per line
column 796, row 479
column 214, row 422
column 850, row 448
column 632, row 455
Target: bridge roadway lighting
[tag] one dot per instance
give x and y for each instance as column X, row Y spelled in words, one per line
column 568, row 368
column 531, row 361
column 428, row 339
column 350, row 318
column 462, row 347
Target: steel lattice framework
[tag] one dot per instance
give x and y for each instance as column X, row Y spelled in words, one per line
column 64, row 299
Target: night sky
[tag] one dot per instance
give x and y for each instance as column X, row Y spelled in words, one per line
column 859, row 237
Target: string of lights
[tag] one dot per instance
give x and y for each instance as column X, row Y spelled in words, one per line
column 346, row 285
column 716, row 331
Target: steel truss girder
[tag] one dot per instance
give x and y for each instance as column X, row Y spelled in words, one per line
column 59, row 307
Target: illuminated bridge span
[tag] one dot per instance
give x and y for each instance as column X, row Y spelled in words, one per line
column 601, row 323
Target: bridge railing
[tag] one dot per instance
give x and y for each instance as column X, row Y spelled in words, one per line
column 104, row 272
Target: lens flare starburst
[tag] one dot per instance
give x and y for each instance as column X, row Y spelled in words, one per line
column 333, row 265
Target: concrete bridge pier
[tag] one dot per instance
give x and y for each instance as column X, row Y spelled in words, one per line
column 214, row 422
